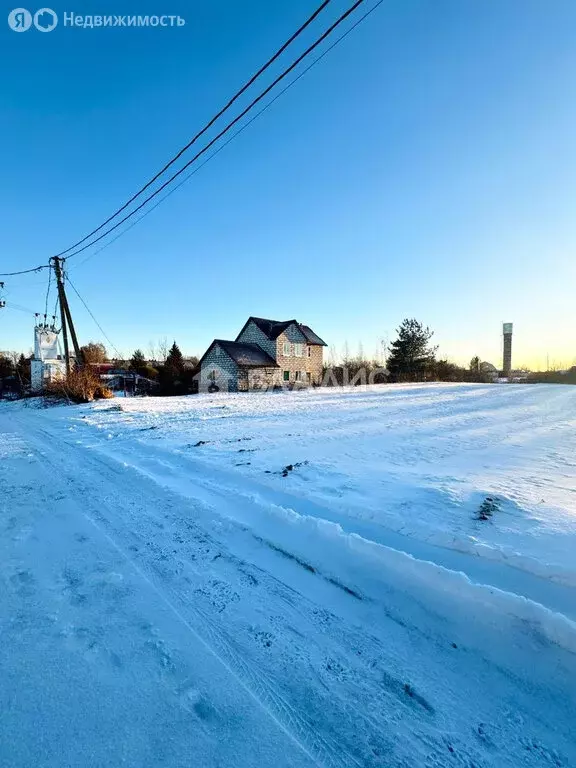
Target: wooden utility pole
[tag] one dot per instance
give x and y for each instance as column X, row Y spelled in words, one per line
column 62, row 302
column 65, row 315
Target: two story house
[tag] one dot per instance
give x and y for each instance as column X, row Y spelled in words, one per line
column 266, row 353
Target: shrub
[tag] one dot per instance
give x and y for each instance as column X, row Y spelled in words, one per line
column 81, row 385
column 94, row 352
column 553, row 377
column 103, row 393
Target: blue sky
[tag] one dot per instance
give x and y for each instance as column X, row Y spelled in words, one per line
column 426, row 167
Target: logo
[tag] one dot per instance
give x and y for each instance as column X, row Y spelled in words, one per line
column 20, row 20
column 45, row 20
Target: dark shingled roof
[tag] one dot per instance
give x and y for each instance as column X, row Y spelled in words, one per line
column 311, row 336
column 273, row 328
column 246, row 355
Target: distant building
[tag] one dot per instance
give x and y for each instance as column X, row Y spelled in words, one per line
column 265, row 354
column 489, row 370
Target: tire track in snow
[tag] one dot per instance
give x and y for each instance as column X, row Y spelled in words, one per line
column 323, row 750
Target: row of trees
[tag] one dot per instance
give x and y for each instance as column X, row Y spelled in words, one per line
column 411, row 357
column 14, row 372
column 95, row 352
column 173, row 377
column 553, row 377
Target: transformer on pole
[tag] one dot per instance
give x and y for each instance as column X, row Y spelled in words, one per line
column 46, row 365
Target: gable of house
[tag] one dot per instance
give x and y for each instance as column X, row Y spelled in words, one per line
column 270, row 328
column 252, row 333
column 216, row 366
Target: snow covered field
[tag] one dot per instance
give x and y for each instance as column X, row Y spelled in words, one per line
column 290, row 579
column 413, row 459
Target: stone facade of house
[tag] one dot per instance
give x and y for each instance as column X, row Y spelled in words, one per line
column 218, row 369
column 300, row 363
column 252, row 334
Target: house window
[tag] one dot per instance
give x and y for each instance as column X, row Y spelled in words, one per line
column 309, row 351
column 212, row 375
column 309, row 377
column 300, row 375
column 299, row 350
column 286, row 375
column 287, row 349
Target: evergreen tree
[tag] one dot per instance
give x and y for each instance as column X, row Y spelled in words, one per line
column 138, row 362
column 411, row 355
column 6, row 367
column 23, row 369
column 171, row 374
column 475, row 364
column 175, row 360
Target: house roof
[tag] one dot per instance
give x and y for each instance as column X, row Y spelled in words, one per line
column 245, row 355
column 273, row 328
column 311, row 337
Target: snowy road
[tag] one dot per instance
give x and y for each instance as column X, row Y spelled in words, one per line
column 151, row 616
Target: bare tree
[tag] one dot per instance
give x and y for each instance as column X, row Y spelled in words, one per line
column 163, row 349
column 346, row 353
column 385, row 344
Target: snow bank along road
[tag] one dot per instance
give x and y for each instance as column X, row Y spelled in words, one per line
column 172, row 593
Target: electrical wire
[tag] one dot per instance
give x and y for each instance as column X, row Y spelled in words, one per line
column 25, row 271
column 252, row 104
column 234, row 135
column 87, row 308
column 11, row 305
column 208, row 125
column 48, row 293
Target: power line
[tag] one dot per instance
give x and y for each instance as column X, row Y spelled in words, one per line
column 24, row 271
column 11, row 305
column 208, row 125
column 252, row 104
column 234, row 135
column 103, row 332
column 48, row 292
